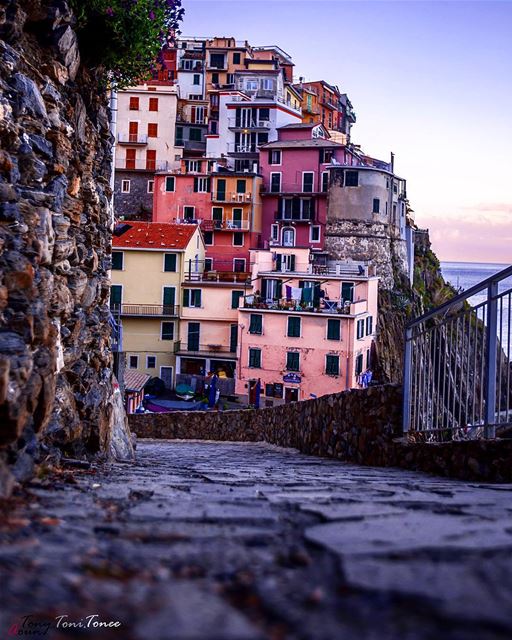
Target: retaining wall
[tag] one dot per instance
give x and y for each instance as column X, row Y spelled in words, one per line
column 361, row 426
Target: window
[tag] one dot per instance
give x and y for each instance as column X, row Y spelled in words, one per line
column 197, row 79
column 150, row 160
column 359, row 364
column 274, row 232
column 275, row 182
column 347, row 291
column 152, row 130
column 193, row 166
column 293, row 327
column 376, row 205
column 151, row 186
column 326, row 156
column 167, row 331
column 292, row 361
column 239, row 265
column 351, row 178
column 153, row 104
column 360, row 329
column 235, row 298
column 267, row 84
column 238, row 239
column 170, row 183
column 325, row 181
column 201, row 185
column 170, row 262
column 255, row 358
column 208, row 264
column 194, row 135
column 134, row 104
column 264, row 114
column 193, row 334
column 256, row 324
column 240, row 186
column 125, row 186
column 213, row 126
column 288, row 237
column 333, row 329
column 215, row 78
column 116, row 296
column 191, row 297
column 134, row 362
column 395, row 188
column 208, row 237
column 274, row 157
column 368, row 358
column 169, row 300
column 314, row 234
column 251, row 85
column 217, row 215
column 130, row 158
column 179, row 136
column 236, row 58
column 150, row 362
column 189, row 213
column 307, row 181
column 233, row 338
column 332, row 365
column 117, row 260
column 369, row 325
column 237, row 218
column 217, row 60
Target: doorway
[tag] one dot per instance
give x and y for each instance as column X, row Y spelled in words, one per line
column 166, row 376
column 291, row 394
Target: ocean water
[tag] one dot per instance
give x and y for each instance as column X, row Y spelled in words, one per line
column 464, row 275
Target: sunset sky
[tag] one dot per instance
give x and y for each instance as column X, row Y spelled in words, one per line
column 430, row 81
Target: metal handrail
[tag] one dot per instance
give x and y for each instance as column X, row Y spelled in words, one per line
column 461, row 297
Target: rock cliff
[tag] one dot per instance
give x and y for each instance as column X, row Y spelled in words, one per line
column 56, row 382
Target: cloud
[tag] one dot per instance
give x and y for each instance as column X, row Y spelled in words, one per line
column 482, row 233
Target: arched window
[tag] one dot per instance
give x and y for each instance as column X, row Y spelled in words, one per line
column 288, row 237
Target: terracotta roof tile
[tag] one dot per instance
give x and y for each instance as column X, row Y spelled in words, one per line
column 154, row 235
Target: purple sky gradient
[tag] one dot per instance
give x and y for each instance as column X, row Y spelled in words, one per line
column 431, row 81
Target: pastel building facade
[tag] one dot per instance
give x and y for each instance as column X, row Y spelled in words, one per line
column 227, row 205
column 145, row 143
column 296, row 178
column 148, row 268
column 304, row 334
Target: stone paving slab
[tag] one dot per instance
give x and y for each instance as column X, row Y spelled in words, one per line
column 242, row 541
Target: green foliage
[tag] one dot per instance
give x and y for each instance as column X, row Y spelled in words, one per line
column 125, row 37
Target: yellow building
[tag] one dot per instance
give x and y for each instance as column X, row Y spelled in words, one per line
column 150, row 260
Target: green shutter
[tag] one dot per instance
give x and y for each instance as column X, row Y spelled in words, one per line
column 235, row 299
column 255, row 358
column 196, row 297
column 167, row 330
column 169, row 183
column 169, row 296
column 170, row 262
column 196, row 185
column 117, row 260
column 233, row 338
column 256, row 324
column 294, row 327
column 332, row 366
column 185, row 297
column 347, row 291
column 292, row 361
column 116, row 295
column 333, row 330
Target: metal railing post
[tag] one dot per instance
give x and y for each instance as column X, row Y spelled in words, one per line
column 407, row 381
column 490, row 360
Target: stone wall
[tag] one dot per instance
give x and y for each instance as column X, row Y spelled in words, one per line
column 55, row 159
column 373, row 241
column 359, row 425
column 138, row 204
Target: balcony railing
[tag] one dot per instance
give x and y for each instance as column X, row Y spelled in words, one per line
column 191, row 145
column 194, row 348
column 192, row 68
column 146, row 310
column 137, row 165
column 243, row 148
column 227, row 225
column 236, row 123
column 241, row 277
column 132, row 138
column 231, row 197
column 331, row 307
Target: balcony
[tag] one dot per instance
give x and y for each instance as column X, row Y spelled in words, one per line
column 191, row 347
column 238, row 198
column 243, row 148
column 132, row 139
column 236, row 123
column 304, row 216
column 227, row 277
column 326, row 307
column 191, row 145
column 198, row 67
column 146, row 310
column 315, row 111
column 291, row 189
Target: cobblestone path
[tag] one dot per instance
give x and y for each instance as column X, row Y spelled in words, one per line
column 221, row 541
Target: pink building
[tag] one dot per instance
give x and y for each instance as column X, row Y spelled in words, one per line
column 305, row 333
column 296, row 180
column 227, row 205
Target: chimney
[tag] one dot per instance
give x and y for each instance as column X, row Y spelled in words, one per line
column 392, row 163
